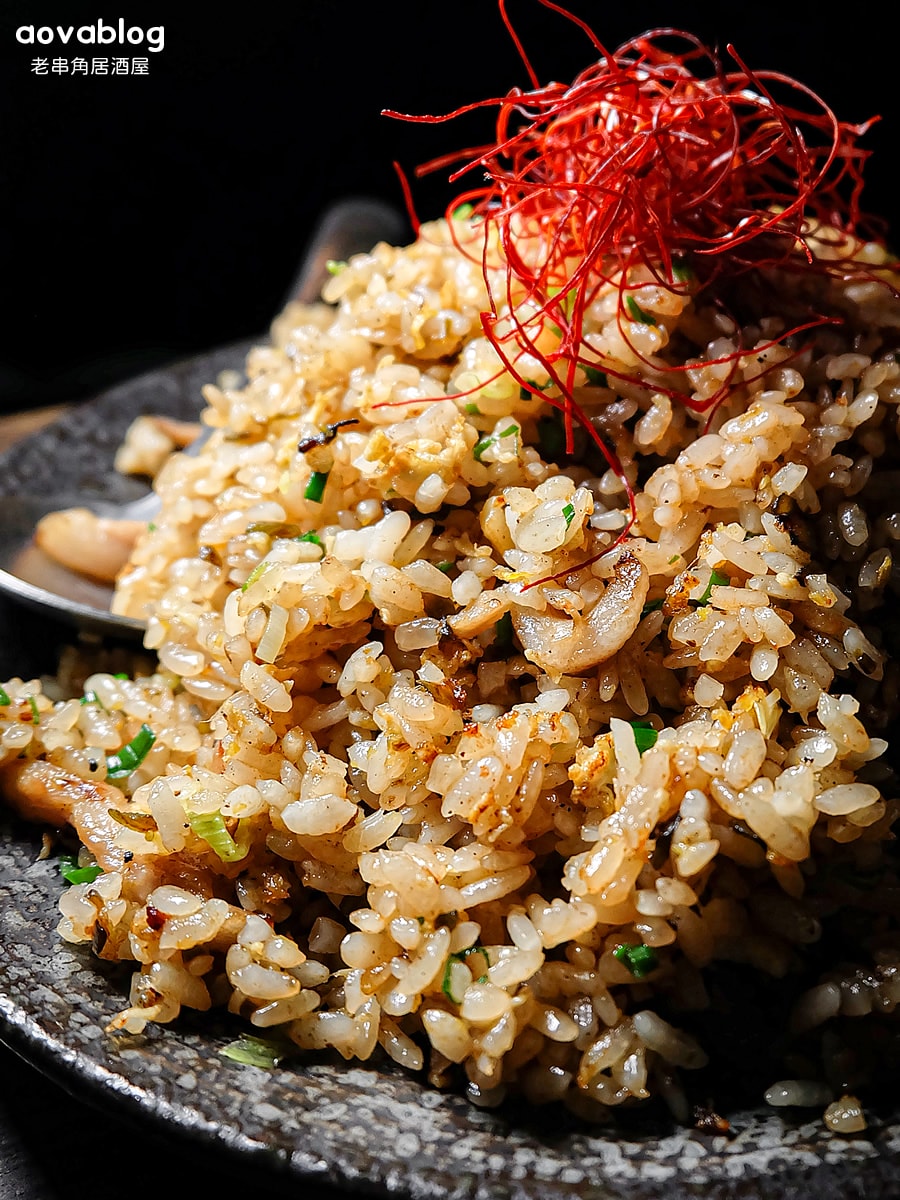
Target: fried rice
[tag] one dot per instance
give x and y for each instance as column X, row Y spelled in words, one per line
column 441, row 755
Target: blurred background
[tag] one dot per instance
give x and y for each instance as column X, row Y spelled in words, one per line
column 152, row 216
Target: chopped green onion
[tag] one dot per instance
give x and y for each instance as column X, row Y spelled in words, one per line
column 715, row 580
column 120, row 675
column 446, row 567
column 35, row 712
column 132, row 754
column 315, row 489
column 72, row 873
column 652, row 606
column 4, row 697
column 640, row 959
column 568, row 513
column 151, row 527
column 598, row 378
column 461, row 957
column 255, row 574
column 447, row 981
column 637, row 313
column 91, row 698
column 525, row 393
column 644, row 735
column 311, row 537
column 462, row 211
column 274, row 528
column 472, row 410
column 491, row 439
column 503, row 631
column 255, row 1052
column 681, row 270
column 83, row 874
column 551, row 438
column 211, row 828
column 334, row 266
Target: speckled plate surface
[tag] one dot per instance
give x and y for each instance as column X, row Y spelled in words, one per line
column 370, row 1128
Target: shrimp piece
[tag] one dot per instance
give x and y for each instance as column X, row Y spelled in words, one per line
column 40, row 791
column 149, row 442
column 563, row 645
column 90, row 545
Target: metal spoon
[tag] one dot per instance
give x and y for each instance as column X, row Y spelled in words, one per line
column 30, row 576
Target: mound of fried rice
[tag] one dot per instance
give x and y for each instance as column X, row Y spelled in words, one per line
column 443, row 764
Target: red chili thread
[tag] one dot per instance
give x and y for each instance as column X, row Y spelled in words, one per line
column 655, row 153
column 408, row 198
column 449, row 396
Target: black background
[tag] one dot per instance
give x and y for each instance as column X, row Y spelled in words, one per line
column 150, row 217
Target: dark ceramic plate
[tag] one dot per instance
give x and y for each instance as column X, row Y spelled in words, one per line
column 361, row 1126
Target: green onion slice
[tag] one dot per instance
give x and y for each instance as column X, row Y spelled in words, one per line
column 334, row 266
column 4, row 696
column 595, row 377
column 255, row 1052
column 132, row 754
column 257, row 571
column 491, row 439
column 503, row 631
column 526, row 393
column 568, row 513
column 640, row 959
column 281, row 529
column 211, row 828
column 551, row 438
column 447, row 983
column 315, row 489
column 72, row 873
column 715, row 580
column 681, row 270
column 637, row 313
column 644, row 735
